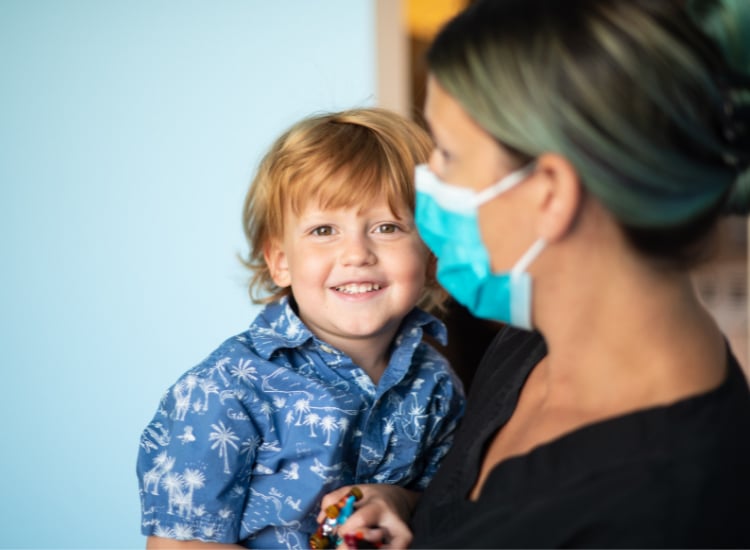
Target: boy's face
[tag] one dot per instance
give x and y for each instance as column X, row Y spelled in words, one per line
column 354, row 272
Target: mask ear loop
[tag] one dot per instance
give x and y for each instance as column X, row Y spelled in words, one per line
column 529, row 256
column 520, row 283
column 511, row 180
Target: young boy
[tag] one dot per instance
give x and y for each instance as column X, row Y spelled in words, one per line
column 332, row 384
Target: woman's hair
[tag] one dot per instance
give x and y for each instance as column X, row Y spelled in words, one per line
column 652, row 112
column 338, row 160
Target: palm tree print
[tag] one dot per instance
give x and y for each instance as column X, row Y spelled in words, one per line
column 223, row 438
column 163, row 463
column 173, row 485
column 301, row 407
column 182, row 405
column 312, row 420
column 182, row 503
column 328, row 425
column 183, row 531
column 244, row 370
column 193, row 479
column 164, row 532
column 207, row 386
column 266, row 409
column 183, row 392
column 218, row 368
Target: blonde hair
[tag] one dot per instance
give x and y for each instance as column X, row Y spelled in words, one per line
column 339, row 160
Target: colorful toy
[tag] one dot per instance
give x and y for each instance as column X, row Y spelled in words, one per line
column 326, row 535
column 357, row 540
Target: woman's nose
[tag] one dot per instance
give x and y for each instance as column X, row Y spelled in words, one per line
column 435, row 162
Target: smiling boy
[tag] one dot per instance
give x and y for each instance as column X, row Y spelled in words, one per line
column 332, row 384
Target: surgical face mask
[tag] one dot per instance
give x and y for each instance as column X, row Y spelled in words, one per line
column 446, row 217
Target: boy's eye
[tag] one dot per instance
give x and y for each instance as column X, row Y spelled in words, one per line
column 322, row 231
column 386, row 228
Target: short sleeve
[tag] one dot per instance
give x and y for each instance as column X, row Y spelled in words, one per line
column 195, row 461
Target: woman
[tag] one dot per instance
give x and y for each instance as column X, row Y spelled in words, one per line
column 585, row 151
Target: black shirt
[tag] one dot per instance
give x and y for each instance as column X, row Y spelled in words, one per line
column 668, row 476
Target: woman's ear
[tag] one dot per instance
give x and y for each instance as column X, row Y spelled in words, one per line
column 561, row 196
column 277, row 263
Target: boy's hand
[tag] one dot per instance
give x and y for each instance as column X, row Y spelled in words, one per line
column 381, row 516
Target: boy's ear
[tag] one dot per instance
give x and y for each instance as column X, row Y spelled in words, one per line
column 277, row 264
column 561, row 196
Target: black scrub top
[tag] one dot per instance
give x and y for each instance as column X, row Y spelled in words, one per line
column 664, row 477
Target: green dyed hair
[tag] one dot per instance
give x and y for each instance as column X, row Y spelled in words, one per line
column 632, row 92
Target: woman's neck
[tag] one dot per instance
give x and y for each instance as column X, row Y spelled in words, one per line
column 643, row 338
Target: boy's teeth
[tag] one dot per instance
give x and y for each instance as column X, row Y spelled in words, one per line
column 355, row 288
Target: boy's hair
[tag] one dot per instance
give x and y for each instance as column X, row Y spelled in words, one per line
column 373, row 150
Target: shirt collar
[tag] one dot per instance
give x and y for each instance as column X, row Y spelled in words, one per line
column 278, row 326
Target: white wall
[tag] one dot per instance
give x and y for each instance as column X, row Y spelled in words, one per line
column 128, row 134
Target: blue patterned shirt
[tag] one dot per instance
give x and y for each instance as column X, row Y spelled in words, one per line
column 243, row 446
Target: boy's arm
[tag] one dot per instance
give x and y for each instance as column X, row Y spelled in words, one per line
column 190, row 459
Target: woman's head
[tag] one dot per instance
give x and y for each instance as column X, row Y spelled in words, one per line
column 631, row 92
column 335, row 160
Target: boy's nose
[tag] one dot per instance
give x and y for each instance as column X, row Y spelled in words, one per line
column 357, row 251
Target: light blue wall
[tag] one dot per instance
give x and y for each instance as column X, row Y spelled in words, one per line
column 128, row 134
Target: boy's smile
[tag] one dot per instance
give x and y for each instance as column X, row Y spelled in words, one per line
column 357, row 288
column 354, row 273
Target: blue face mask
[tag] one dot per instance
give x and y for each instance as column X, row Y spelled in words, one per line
column 446, row 217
